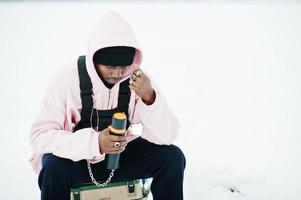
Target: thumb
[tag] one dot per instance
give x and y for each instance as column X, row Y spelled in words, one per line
column 105, row 131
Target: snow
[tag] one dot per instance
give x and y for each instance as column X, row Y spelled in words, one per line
column 230, row 71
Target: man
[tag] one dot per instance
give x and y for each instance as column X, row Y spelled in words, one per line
column 71, row 126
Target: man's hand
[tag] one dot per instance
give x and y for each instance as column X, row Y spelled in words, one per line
column 107, row 142
column 141, row 84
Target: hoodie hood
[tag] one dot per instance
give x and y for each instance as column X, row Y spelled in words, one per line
column 111, row 30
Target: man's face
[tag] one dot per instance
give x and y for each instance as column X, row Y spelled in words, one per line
column 111, row 74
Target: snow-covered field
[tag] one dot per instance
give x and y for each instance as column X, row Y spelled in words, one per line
column 231, row 73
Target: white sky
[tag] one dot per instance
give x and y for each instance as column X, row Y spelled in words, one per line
column 230, row 71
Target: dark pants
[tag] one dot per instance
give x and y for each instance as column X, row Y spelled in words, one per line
column 141, row 159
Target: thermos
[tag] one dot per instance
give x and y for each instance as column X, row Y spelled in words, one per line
column 117, row 128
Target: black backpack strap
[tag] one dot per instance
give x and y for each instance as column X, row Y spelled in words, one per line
column 85, row 93
column 124, row 96
column 124, row 99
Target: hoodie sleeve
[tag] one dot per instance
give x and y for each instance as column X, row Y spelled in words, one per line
column 160, row 125
column 51, row 131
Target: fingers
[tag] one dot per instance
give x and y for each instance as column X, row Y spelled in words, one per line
column 120, row 144
column 117, row 147
column 111, row 143
column 138, row 72
column 136, row 76
column 117, row 143
column 135, row 83
column 115, row 138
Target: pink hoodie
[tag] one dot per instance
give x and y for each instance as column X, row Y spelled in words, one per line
column 51, row 131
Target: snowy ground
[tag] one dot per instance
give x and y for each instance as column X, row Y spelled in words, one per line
column 231, row 72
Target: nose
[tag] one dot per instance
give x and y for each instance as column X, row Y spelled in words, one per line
column 117, row 72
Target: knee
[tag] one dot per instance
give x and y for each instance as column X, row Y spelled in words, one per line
column 175, row 157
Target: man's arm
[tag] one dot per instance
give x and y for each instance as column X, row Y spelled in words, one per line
column 51, row 131
column 160, row 125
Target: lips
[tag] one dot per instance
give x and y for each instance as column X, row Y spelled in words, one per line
column 113, row 80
